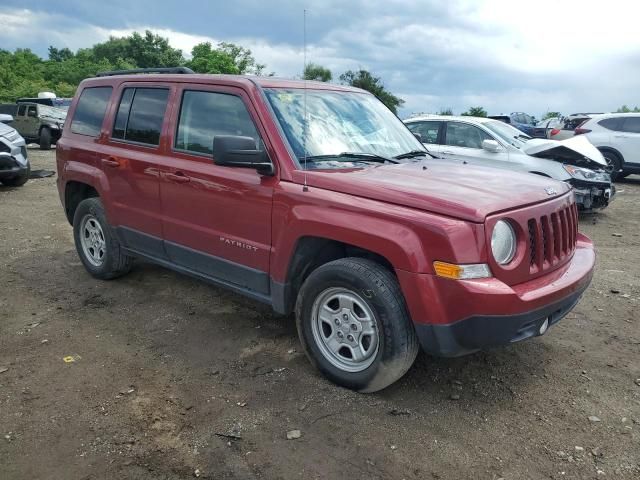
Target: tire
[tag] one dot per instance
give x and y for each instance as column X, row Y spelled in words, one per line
column 96, row 242
column 18, row 181
column 45, row 139
column 614, row 160
column 354, row 289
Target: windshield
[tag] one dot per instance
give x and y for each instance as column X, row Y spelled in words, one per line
column 507, row 133
column 339, row 122
column 53, row 112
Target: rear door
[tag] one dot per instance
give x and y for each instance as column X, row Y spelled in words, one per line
column 627, row 140
column 216, row 219
column 130, row 160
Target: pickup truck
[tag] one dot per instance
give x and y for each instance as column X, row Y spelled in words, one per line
column 315, row 199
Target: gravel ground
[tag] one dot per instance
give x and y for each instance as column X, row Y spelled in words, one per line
column 169, row 378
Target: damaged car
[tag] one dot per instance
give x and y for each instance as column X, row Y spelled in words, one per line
column 488, row 142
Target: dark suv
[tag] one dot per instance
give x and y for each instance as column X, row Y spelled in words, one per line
column 315, row 199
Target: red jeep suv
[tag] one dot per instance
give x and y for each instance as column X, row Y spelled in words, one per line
column 316, row 199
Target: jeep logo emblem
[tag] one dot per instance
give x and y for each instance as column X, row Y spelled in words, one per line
column 550, row 191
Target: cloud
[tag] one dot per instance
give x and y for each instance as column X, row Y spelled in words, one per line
column 503, row 55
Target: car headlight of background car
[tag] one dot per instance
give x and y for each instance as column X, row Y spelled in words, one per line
column 503, row 242
column 586, row 174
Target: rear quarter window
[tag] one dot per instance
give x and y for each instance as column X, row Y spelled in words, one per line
column 610, row 123
column 89, row 113
column 631, row 125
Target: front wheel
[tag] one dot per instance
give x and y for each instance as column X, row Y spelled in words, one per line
column 45, row 139
column 614, row 164
column 354, row 325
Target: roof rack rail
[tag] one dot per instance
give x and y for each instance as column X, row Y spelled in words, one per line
column 145, row 70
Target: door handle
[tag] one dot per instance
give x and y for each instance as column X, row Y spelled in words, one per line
column 110, row 162
column 178, row 177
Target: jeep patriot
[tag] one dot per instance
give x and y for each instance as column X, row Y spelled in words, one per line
column 315, row 199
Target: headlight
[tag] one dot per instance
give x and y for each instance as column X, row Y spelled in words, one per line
column 503, row 242
column 585, row 174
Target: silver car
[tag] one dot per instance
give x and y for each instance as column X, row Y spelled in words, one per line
column 492, row 143
column 14, row 165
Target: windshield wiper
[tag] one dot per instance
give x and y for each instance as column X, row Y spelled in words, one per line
column 368, row 157
column 413, row 154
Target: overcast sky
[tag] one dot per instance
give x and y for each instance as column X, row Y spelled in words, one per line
column 505, row 55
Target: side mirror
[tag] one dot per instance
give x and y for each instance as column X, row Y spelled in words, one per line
column 5, row 118
column 418, row 136
column 491, row 146
column 237, row 151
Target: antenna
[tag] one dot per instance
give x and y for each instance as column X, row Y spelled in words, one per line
column 305, row 188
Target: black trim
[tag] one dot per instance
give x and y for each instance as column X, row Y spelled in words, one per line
column 141, row 242
column 224, row 270
column 183, row 70
column 241, row 278
column 486, row 331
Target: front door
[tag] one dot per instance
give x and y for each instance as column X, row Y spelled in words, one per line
column 31, row 123
column 216, row 219
column 463, row 140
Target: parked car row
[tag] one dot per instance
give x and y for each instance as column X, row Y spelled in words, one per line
column 492, row 143
column 317, row 200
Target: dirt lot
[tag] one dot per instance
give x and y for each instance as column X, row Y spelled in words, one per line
column 173, row 378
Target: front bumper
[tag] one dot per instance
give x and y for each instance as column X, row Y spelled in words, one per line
column 457, row 317
column 593, row 196
column 10, row 168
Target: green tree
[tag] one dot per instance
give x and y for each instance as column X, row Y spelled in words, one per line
column 475, row 112
column 445, row 111
column 225, row 58
column 59, row 55
column 313, row 71
column 146, row 51
column 365, row 80
column 625, row 109
column 548, row 115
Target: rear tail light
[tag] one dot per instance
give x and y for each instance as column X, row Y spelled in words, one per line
column 555, row 131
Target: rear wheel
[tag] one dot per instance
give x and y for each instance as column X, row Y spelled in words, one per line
column 354, row 325
column 97, row 243
column 45, row 139
column 614, row 164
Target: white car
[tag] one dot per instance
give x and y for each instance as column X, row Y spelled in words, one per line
column 617, row 136
column 488, row 142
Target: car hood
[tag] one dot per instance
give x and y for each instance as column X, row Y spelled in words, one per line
column 577, row 151
column 468, row 192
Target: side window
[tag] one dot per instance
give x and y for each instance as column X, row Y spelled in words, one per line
column 203, row 115
column 22, row 110
column 140, row 115
column 32, row 111
column 631, row 124
column 428, row 130
column 89, row 114
column 465, row 135
column 611, row 123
